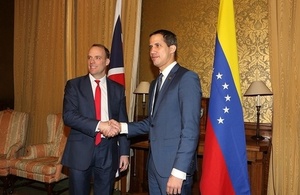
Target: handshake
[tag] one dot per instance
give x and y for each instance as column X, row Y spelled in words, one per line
column 110, row 128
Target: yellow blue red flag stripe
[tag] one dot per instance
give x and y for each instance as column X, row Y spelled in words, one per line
column 224, row 168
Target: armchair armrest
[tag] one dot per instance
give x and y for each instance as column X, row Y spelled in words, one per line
column 37, row 151
column 12, row 151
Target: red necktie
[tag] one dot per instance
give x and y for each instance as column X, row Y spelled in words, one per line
column 98, row 109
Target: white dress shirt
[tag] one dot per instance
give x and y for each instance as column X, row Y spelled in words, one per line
column 104, row 102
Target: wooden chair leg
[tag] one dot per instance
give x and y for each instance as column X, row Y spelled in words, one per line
column 49, row 188
column 5, row 181
column 12, row 180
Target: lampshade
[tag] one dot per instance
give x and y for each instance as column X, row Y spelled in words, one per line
column 258, row 88
column 142, row 88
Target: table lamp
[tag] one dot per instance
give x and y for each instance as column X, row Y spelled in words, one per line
column 143, row 88
column 258, row 88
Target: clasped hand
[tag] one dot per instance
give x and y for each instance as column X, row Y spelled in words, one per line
column 110, row 128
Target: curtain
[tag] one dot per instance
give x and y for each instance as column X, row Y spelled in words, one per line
column 39, row 66
column 285, row 76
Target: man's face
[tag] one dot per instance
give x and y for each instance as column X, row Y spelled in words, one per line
column 161, row 54
column 97, row 62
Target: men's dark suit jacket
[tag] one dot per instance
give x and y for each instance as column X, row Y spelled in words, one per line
column 79, row 114
column 173, row 127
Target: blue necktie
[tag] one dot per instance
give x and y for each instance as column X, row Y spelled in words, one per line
column 158, row 86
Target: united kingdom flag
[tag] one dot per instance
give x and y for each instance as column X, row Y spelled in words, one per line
column 116, row 67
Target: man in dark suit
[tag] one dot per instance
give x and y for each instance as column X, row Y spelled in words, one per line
column 173, row 120
column 89, row 161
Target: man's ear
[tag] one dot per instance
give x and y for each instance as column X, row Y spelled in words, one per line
column 107, row 61
column 173, row 48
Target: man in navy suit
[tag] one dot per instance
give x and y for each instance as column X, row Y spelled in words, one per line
column 86, row 160
column 173, row 120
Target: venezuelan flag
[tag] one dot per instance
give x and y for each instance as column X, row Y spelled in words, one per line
column 224, row 168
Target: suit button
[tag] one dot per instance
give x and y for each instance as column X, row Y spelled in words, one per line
column 152, row 125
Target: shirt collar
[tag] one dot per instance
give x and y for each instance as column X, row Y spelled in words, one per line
column 92, row 79
column 168, row 69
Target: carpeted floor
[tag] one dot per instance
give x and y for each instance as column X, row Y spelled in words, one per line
column 25, row 190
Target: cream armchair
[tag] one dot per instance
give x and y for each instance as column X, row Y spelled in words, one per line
column 13, row 129
column 42, row 162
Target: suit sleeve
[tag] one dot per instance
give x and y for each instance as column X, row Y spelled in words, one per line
column 76, row 113
column 124, row 148
column 190, row 95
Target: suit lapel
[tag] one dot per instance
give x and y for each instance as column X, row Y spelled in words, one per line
column 88, row 90
column 165, row 86
column 109, row 89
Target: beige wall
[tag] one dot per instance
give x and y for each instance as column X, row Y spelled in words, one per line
column 195, row 22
